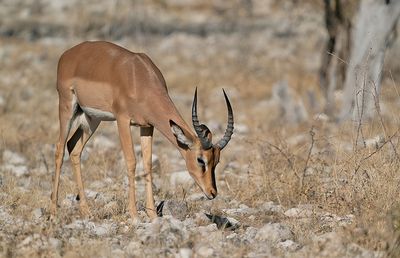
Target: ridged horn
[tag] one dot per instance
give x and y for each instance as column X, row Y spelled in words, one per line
column 229, row 129
column 199, row 128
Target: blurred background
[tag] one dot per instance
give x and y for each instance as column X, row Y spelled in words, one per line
column 296, row 74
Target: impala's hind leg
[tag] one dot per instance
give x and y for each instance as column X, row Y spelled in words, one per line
column 75, row 145
column 146, row 139
column 67, row 114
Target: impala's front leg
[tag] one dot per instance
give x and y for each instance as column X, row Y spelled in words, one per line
column 146, row 137
column 127, row 148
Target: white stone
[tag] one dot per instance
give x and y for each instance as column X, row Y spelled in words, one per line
column 289, row 245
column 103, row 229
column 55, row 243
column 70, row 199
column 17, row 170
column 13, row 158
column 204, row 251
column 231, row 236
column 298, row 213
column 77, row 224
column 37, row 213
column 250, row 234
column 239, row 211
column 200, row 218
column 234, row 222
column 134, row 249
column 274, row 232
column 91, row 194
column 185, row 253
column 26, row 241
column 271, row 207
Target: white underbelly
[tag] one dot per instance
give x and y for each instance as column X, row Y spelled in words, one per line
column 98, row 114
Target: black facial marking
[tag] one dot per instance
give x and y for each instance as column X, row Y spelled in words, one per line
column 201, row 163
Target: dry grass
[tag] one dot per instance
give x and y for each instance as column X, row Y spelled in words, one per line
column 316, row 163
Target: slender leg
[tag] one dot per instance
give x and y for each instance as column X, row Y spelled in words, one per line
column 125, row 137
column 66, row 119
column 146, row 138
column 75, row 156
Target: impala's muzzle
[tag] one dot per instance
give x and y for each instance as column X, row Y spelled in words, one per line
column 211, row 194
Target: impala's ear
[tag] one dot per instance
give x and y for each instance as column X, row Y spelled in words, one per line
column 180, row 136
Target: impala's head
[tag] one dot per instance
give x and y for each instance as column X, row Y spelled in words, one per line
column 202, row 156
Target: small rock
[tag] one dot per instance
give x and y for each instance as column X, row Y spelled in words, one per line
column 134, row 249
column 103, row 229
column 17, row 170
column 26, row 241
column 204, row 251
column 185, row 253
column 201, row 218
column 252, row 217
column 55, row 244
column 272, row 208
column 205, row 230
column 274, row 232
column 298, row 213
column 232, row 236
column 70, row 200
column 37, row 213
column 289, row 245
column 91, row 194
column 250, row 234
column 13, row 158
column 76, row 225
column 240, row 211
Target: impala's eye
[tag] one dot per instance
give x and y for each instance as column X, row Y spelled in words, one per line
column 201, row 163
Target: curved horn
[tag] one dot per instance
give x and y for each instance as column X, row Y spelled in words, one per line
column 205, row 143
column 229, row 129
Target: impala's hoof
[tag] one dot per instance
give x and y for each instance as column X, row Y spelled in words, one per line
column 152, row 214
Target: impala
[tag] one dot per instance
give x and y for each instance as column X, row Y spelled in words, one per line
column 100, row 81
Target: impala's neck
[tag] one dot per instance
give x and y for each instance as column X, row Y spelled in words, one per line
column 162, row 123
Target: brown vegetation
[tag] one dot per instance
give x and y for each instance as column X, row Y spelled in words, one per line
column 344, row 178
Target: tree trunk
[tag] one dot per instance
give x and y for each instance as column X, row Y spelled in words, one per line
column 359, row 31
column 338, row 16
column 375, row 22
